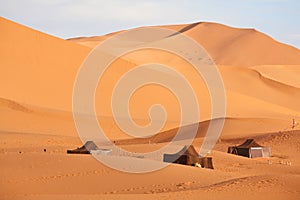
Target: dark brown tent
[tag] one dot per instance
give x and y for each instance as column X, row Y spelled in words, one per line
column 250, row 149
column 189, row 156
column 85, row 149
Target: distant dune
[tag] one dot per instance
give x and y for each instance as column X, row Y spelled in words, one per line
column 228, row 45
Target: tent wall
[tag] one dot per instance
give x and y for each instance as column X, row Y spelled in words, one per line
column 260, row 152
column 266, row 151
column 243, row 152
column 183, row 159
column 206, row 162
column 232, row 150
column 171, row 157
column 256, row 152
column 78, row 151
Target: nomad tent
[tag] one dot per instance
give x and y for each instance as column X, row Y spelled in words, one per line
column 88, row 148
column 189, row 156
column 85, row 149
column 250, row 149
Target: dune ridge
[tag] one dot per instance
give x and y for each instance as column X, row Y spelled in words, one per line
column 5, row 103
column 228, row 45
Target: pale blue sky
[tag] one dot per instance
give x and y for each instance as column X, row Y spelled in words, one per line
column 70, row 18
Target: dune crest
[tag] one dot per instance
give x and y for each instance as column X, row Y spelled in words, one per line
column 228, row 45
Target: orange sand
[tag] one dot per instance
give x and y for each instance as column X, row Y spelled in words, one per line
column 37, row 74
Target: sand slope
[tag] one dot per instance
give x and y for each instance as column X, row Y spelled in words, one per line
column 37, row 68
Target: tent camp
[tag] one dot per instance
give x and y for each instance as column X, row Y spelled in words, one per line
column 250, row 149
column 188, row 156
column 85, row 149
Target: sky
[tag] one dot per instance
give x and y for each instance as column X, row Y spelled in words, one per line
column 279, row 19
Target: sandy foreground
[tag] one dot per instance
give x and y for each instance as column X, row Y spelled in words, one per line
column 36, row 124
column 30, row 173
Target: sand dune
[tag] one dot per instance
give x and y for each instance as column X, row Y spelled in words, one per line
column 269, row 90
column 54, row 72
column 37, row 68
column 92, row 41
column 231, row 46
column 37, row 73
column 288, row 75
column 239, row 47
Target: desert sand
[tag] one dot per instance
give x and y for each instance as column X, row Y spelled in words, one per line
column 261, row 78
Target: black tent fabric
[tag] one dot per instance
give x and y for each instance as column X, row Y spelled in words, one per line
column 188, row 156
column 85, row 149
column 250, row 149
column 249, row 143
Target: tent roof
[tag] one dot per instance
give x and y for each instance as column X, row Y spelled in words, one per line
column 249, row 143
column 90, row 145
column 188, row 150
